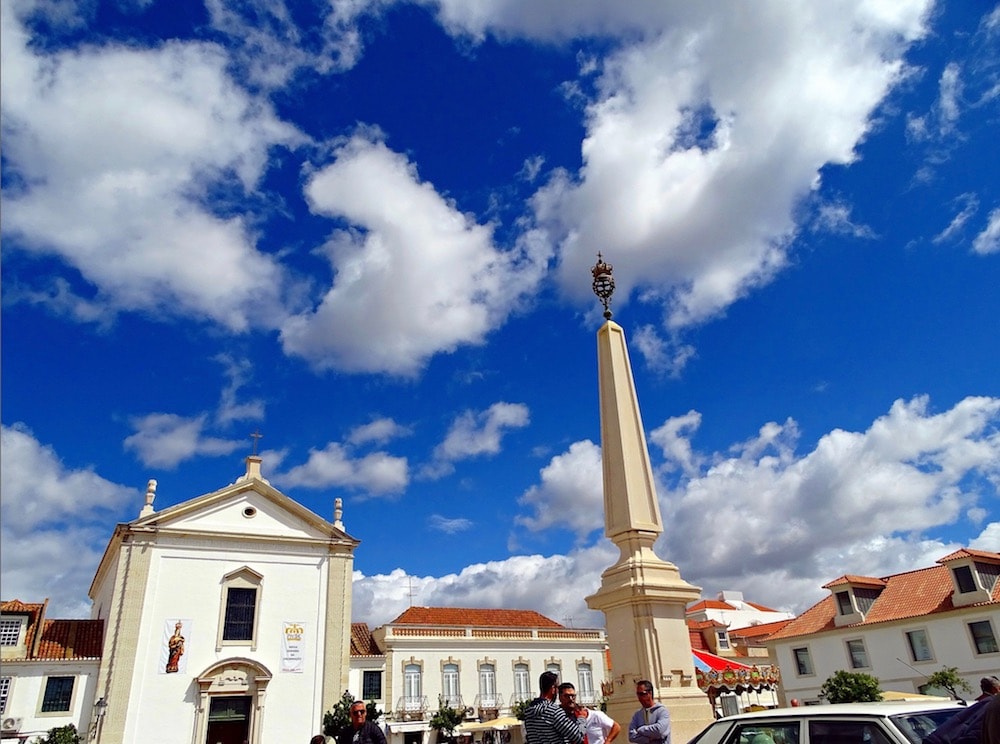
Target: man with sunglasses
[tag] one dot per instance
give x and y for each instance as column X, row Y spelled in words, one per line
column 360, row 730
column 600, row 728
column 651, row 723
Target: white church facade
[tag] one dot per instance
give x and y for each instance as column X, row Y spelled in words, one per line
column 226, row 619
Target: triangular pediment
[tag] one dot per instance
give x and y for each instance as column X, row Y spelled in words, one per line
column 249, row 507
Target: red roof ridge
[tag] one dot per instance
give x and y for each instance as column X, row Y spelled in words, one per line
column 855, row 579
column 475, row 616
column 970, row 553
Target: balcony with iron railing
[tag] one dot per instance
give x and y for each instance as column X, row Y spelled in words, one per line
column 587, row 698
column 488, row 705
column 521, row 697
column 411, row 709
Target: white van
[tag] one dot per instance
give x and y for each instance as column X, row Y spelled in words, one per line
column 844, row 723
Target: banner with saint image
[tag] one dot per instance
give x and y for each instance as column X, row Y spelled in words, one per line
column 173, row 649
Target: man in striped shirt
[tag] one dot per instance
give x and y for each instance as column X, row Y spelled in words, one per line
column 547, row 723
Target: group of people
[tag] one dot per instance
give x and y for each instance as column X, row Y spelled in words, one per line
column 545, row 722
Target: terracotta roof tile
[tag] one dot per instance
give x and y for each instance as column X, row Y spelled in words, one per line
column 71, row 639
column 362, row 642
column 697, row 642
column 710, row 604
column 853, row 579
column 761, row 607
column 970, row 553
column 477, row 617
column 760, row 630
column 925, row 591
column 816, row 618
column 701, row 624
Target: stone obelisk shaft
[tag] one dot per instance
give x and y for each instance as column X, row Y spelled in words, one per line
column 643, row 597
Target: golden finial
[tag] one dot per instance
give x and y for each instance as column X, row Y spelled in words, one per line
column 604, row 284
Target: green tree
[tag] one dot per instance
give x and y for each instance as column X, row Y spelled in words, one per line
column 947, row 678
column 446, row 720
column 339, row 716
column 518, row 708
column 851, row 687
column 61, row 735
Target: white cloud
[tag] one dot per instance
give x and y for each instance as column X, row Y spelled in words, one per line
column 969, row 204
column 449, row 525
column 835, row 217
column 688, row 123
column 54, row 523
column 571, row 493
column 664, row 355
column 860, row 502
column 480, row 433
column 230, row 407
column 376, row 473
column 419, row 276
column 988, row 241
column 378, row 431
column 118, row 190
column 553, row 585
column 164, row 440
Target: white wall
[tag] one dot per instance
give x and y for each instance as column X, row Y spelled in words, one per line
column 28, row 686
column 889, row 654
column 186, row 582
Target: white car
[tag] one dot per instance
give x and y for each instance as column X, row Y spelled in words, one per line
column 845, row 723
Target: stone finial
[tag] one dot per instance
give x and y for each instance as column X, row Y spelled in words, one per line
column 338, row 513
column 150, row 495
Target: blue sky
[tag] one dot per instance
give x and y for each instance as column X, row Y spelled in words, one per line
column 366, row 229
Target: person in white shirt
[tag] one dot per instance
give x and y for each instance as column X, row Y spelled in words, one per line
column 600, row 728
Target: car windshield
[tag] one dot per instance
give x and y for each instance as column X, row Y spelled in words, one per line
column 915, row 726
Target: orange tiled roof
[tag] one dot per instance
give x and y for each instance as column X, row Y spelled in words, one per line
column 71, row 639
column 702, row 624
column 970, row 553
column 362, row 642
column 16, row 606
column 760, row 630
column 761, row 607
column 480, row 617
column 854, row 579
column 925, row 591
column 697, row 642
column 710, row 604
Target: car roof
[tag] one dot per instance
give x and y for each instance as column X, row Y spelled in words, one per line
column 849, row 709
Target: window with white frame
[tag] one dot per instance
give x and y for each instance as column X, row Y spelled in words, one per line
column 857, row 654
column 10, row 631
column 984, row 640
column 450, row 692
column 920, row 646
column 723, row 638
column 488, row 686
column 803, row 661
column 555, row 667
column 371, row 684
column 58, row 696
column 585, row 683
column 4, row 693
column 411, row 683
column 240, row 608
column 522, row 682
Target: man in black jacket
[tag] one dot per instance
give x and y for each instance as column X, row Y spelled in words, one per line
column 360, row 730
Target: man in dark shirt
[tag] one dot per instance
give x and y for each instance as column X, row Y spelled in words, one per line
column 360, row 730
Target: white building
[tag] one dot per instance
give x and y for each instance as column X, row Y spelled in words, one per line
column 730, row 610
column 49, row 670
column 483, row 660
column 898, row 628
column 225, row 618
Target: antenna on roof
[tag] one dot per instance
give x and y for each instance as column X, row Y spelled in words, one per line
column 409, row 579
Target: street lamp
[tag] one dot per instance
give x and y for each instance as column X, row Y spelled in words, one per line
column 100, row 708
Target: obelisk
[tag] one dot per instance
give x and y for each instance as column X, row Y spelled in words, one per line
column 643, row 597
